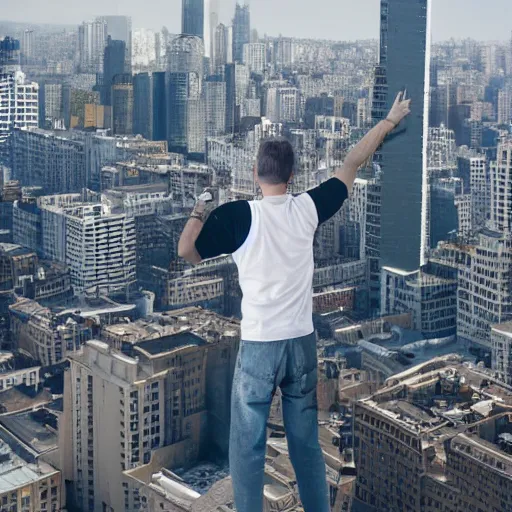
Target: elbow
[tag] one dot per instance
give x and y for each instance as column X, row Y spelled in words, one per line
column 189, row 254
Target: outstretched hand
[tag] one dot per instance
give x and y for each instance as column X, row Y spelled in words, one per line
column 401, row 109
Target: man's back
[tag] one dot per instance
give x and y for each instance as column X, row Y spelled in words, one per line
column 276, row 266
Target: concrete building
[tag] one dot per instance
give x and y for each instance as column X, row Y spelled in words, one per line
column 501, row 339
column 501, row 189
column 193, row 18
column 223, row 48
column 98, row 246
column 504, row 106
column 483, row 293
column 255, row 57
column 51, row 105
column 431, row 299
column 28, row 486
column 45, row 159
column 435, row 437
column 27, row 47
column 473, row 170
column 113, row 65
column 156, row 404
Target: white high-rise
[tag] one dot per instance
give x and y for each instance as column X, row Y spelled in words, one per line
column 501, row 188
column 19, row 106
column 92, row 39
column 98, row 246
column 255, row 56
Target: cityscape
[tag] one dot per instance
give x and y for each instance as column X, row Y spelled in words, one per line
column 117, row 357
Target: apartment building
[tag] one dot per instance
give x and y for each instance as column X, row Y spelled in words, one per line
column 161, row 402
column 435, row 437
column 45, row 159
column 97, row 245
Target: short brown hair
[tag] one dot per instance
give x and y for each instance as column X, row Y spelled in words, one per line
column 276, row 161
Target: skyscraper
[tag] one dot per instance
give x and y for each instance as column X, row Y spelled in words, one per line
column 241, row 31
column 92, row 38
column 114, row 64
column 119, row 28
column 223, row 48
column 185, row 104
column 122, row 105
column 159, row 128
column 211, row 20
column 405, row 64
column 27, row 46
column 215, row 97
column 192, row 18
column 143, row 105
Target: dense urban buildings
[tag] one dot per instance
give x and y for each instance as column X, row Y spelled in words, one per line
column 117, row 357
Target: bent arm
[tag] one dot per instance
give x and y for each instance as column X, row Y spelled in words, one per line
column 364, row 149
column 187, row 244
column 372, row 140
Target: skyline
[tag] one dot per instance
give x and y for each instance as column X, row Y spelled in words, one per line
column 474, row 19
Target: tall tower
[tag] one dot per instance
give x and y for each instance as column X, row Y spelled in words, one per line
column 404, row 63
column 241, row 31
column 113, row 64
column 211, row 21
column 119, row 28
column 186, row 119
column 92, row 38
column 192, row 18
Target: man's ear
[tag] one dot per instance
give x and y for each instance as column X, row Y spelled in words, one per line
column 291, row 179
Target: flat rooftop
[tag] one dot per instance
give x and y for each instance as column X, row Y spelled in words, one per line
column 34, row 429
column 170, row 343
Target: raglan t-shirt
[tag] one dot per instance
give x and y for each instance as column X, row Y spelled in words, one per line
column 271, row 242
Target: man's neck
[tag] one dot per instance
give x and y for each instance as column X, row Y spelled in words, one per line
column 274, row 191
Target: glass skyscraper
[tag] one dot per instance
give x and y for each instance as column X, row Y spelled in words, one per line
column 241, row 31
column 404, row 64
column 192, row 20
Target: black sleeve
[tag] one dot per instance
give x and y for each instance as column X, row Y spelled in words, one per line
column 329, row 198
column 225, row 230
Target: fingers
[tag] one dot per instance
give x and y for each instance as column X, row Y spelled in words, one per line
column 398, row 98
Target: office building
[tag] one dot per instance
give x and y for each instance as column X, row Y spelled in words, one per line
column 144, row 54
column 241, row 31
column 405, row 59
column 237, row 82
column 143, row 105
column 193, row 18
column 122, row 105
column 215, row 94
column 505, row 106
column 186, row 120
column 159, row 107
column 92, row 39
column 119, row 28
column 255, row 57
column 114, row 65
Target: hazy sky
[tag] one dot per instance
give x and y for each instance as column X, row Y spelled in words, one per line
column 330, row 19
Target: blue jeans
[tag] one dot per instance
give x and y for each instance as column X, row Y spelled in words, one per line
column 262, row 367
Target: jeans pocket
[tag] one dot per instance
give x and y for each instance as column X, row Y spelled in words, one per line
column 309, row 381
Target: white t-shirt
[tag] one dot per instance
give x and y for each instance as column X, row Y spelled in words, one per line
column 272, row 245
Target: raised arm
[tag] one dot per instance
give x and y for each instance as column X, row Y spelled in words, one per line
column 371, row 141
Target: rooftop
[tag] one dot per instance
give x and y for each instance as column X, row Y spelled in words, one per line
column 35, row 429
column 160, row 346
